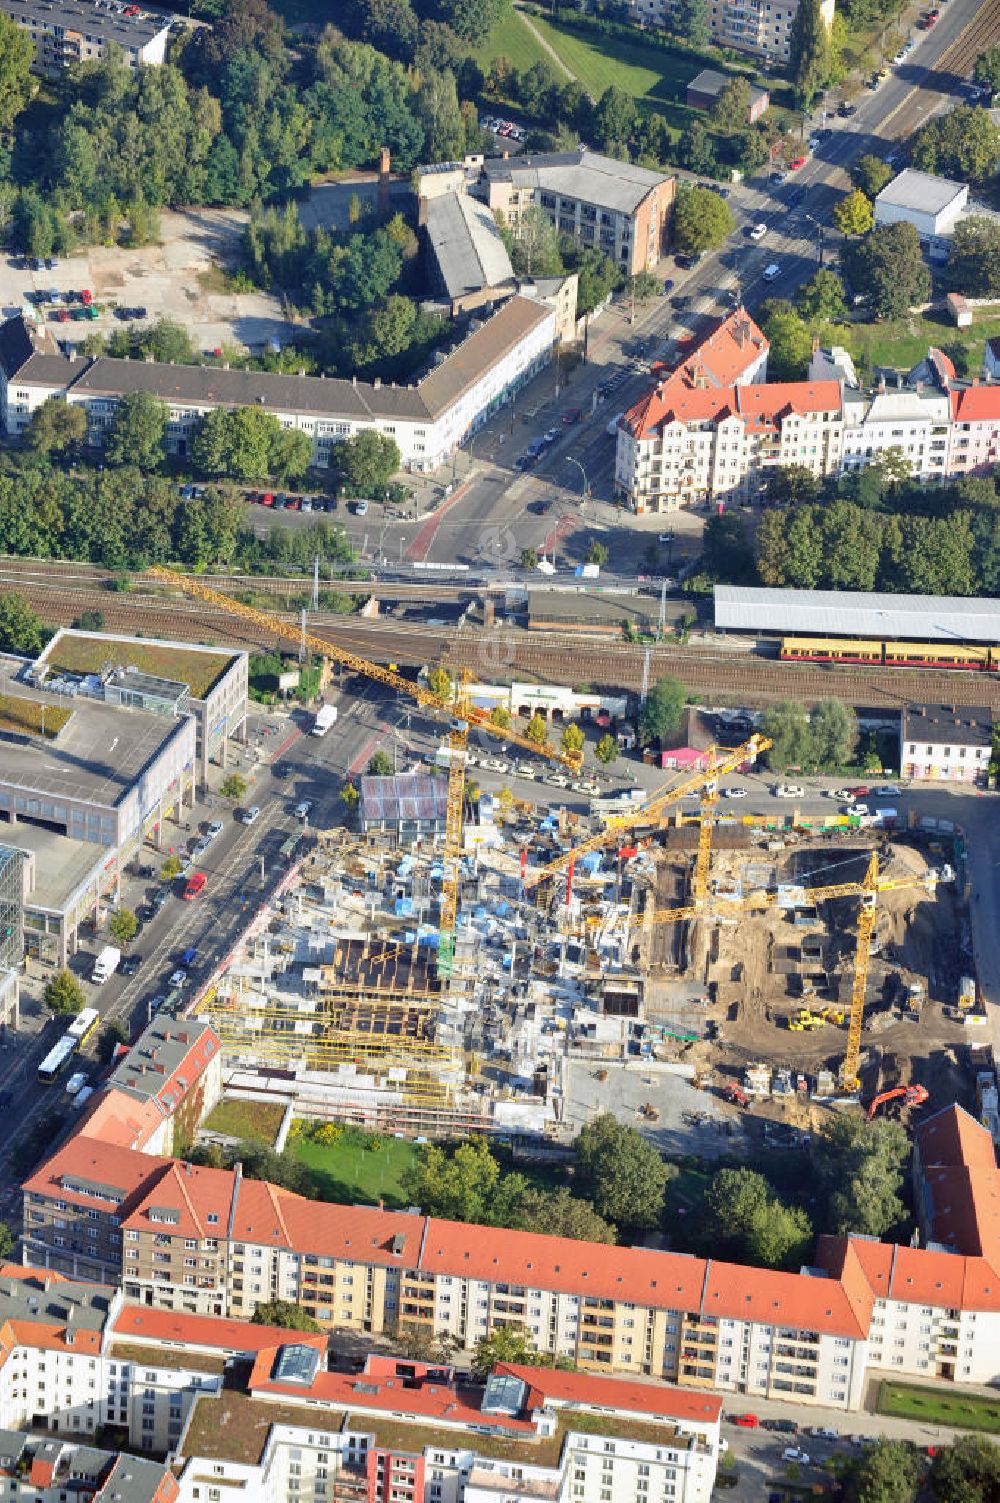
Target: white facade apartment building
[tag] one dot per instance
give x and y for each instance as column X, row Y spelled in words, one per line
column 428, row 419
column 68, row 32
column 760, row 27
column 946, row 743
column 915, row 423
column 332, row 1433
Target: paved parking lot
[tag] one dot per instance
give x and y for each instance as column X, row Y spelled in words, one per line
column 178, row 279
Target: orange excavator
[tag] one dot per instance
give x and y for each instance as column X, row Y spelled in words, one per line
column 914, row 1095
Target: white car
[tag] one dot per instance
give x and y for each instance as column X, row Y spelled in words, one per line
column 558, row 781
column 214, row 829
column 858, row 810
column 772, row 271
column 178, row 978
column 886, row 790
column 758, row 232
column 82, row 1096
column 795, row 1453
column 825, row 1432
column 734, row 793
column 302, row 809
column 789, row 790
column 76, row 1083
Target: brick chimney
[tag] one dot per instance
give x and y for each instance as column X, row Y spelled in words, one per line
column 384, row 159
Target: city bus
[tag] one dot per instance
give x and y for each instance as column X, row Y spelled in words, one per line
column 57, row 1059
column 83, row 1025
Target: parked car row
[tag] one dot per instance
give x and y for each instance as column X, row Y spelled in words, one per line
column 282, row 502
column 505, row 128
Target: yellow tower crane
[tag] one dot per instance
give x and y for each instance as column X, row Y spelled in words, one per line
column 651, row 812
column 867, row 890
column 462, row 712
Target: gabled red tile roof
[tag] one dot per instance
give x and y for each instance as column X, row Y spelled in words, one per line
column 205, row 1332
column 585, row 1390
column 726, row 354
column 954, row 1137
column 811, row 1303
column 88, row 1159
column 975, row 404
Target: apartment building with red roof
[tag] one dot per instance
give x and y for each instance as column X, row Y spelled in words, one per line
column 712, row 427
column 208, row 1242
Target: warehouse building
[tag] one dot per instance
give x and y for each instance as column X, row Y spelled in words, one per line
column 705, row 90
column 933, row 205
column 849, row 613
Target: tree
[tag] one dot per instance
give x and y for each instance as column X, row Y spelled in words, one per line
column 537, row 729
column 349, row 795
column 291, row 455
column 731, row 111
column 621, row 1172
column 507, row 1343
column 614, row 117
column 740, row 1217
column 606, row 750
column 702, row 221
column 787, row 726
column 964, row 143
column 380, row 765
column 284, row 1313
column 64, row 994
column 114, row 1033
column 439, row 682
column 123, row 926
column 573, row 739
column 137, row 433
column 853, row 214
column 790, row 340
column 974, row 257
column 559, row 1213
column 870, row 174
column 661, row 714
column 987, row 69
column 170, row 868
column 689, row 18
column 597, row 278
column 834, row 728
column 696, row 148
column 368, row 461
column 887, row 1472
column 233, row 788
column 809, row 47
column 6, row 1240
column 821, row 299
column 725, row 549
column 458, row 1186
column 888, row 269
column 21, row 630
column 90, row 621
column 56, row 427
column 528, row 559
column 17, row 86
column 789, row 483
column 598, row 553
column 968, row 1469
column 500, row 717
column 535, row 250
column 859, row 1173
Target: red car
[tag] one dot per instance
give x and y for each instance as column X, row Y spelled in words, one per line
column 860, row 792
column 267, row 499
column 196, row 884
column 86, row 297
column 63, row 315
column 798, row 162
column 747, row 1421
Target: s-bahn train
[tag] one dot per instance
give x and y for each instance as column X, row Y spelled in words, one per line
column 871, row 653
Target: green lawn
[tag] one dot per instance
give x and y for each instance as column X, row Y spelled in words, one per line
column 349, row 1174
column 657, row 78
column 513, row 40
column 937, row 1406
column 902, row 342
column 256, row 1120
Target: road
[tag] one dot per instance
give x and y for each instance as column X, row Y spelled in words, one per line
column 494, row 513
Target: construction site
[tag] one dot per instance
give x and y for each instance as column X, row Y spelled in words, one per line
column 709, row 977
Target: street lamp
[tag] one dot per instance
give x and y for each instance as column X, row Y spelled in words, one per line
column 570, row 460
column 819, row 234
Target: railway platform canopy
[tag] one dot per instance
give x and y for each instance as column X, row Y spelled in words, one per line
column 834, row 613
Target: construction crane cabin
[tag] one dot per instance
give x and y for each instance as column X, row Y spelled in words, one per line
column 462, row 714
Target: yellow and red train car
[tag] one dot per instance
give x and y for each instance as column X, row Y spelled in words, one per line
column 872, row 653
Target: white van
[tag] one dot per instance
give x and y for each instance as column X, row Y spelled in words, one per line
column 772, row 271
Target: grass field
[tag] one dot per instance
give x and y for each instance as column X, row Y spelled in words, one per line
column 656, row 78
column 347, row 1173
column 257, row 1120
column 513, row 40
column 939, row 1407
column 902, row 342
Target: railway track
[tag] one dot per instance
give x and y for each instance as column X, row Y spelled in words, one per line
column 954, row 64
column 62, row 595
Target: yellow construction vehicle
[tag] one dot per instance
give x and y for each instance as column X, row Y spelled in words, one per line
column 462, row 712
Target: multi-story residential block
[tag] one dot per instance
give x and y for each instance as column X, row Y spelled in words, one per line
column 51, row 1471
column 602, row 203
column 159, row 1089
column 711, row 428
column 760, row 27
column 405, row 1431
column 196, row 1241
column 946, row 743
column 429, row 419
column 66, row 32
